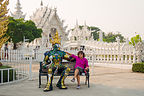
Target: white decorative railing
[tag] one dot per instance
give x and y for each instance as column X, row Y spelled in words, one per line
column 113, row 57
column 124, row 54
column 19, row 66
column 8, row 77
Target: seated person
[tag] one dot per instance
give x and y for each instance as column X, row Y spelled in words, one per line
column 81, row 64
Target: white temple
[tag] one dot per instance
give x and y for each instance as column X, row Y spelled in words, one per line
column 48, row 20
column 80, row 34
column 78, row 37
column 18, row 13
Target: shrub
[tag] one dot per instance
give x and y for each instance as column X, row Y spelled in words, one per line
column 138, row 67
column 5, row 74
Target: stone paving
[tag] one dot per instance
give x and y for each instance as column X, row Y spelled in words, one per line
column 103, row 82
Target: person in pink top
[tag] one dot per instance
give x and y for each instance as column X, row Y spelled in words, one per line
column 81, row 64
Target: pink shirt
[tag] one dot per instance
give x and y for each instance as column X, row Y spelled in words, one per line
column 83, row 63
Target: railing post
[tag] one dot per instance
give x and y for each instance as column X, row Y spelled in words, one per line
column 30, row 66
column 8, row 75
column 13, row 74
column 1, row 76
column 92, row 62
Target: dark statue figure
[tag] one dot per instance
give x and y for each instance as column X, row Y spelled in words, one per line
column 53, row 60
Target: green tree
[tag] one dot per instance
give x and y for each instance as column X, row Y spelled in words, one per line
column 95, row 32
column 122, row 39
column 135, row 40
column 18, row 28
column 111, row 37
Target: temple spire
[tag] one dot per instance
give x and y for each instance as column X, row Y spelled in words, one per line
column 77, row 23
column 18, row 7
column 18, row 13
column 41, row 3
column 85, row 24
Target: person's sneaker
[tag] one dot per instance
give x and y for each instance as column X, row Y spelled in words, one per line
column 73, row 80
column 78, row 87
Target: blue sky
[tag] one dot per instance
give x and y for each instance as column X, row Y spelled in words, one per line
column 124, row 16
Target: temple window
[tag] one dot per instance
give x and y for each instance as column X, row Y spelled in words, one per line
column 75, row 38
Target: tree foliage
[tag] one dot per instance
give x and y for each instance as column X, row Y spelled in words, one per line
column 134, row 40
column 95, row 32
column 3, row 21
column 18, row 28
column 111, row 37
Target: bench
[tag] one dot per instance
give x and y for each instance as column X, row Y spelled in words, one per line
column 43, row 72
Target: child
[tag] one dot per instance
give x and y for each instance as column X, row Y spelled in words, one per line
column 81, row 64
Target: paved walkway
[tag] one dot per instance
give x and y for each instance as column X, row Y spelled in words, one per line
column 103, row 82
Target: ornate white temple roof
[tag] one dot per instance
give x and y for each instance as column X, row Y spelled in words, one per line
column 78, row 34
column 84, row 32
column 44, row 15
column 47, row 19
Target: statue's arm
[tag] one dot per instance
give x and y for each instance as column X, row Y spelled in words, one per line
column 68, row 53
column 46, row 60
column 65, row 56
column 68, row 56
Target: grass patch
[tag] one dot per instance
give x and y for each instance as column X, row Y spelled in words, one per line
column 4, row 67
column 5, row 74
